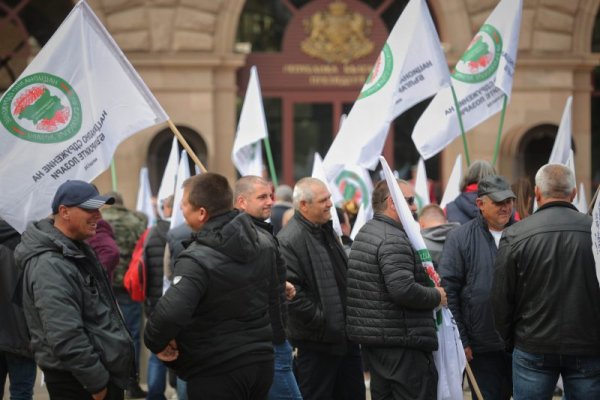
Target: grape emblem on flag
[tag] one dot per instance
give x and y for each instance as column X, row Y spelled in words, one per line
column 41, row 108
column 382, row 70
column 481, row 59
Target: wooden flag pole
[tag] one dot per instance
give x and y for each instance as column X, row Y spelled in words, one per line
column 462, row 128
column 497, row 147
column 186, row 146
column 473, row 382
column 270, row 160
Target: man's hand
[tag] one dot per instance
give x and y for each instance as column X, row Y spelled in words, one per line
column 468, row 353
column 444, row 298
column 170, row 353
column 290, row 291
column 100, row 395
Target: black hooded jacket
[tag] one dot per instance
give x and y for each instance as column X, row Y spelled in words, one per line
column 463, row 208
column 14, row 337
column 217, row 308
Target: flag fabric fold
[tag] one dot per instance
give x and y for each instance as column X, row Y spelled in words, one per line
column 481, row 79
column 421, row 188
column 561, row 150
column 450, row 358
column 169, row 177
column 252, row 128
column 453, row 186
column 183, row 172
column 411, row 67
column 66, row 114
column 144, row 197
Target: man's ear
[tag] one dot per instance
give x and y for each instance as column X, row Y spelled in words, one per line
column 573, row 194
column 202, row 215
column 538, row 195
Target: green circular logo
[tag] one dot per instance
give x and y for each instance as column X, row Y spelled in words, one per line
column 352, row 187
column 481, row 59
column 41, row 108
column 382, row 70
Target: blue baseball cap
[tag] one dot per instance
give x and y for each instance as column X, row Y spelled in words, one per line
column 80, row 194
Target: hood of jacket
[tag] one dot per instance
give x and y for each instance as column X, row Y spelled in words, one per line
column 232, row 234
column 438, row 233
column 465, row 202
column 42, row 236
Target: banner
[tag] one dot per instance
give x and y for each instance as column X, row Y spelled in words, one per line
column 66, row 114
column 252, row 128
column 411, row 67
column 481, row 79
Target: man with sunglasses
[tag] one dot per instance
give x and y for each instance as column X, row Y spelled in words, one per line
column 467, row 271
column 77, row 332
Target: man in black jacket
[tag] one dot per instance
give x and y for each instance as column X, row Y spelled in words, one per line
column 467, row 270
column 78, row 334
column 252, row 195
column 546, row 294
column 154, row 253
column 390, row 306
column 212, row 325
column 328, row 365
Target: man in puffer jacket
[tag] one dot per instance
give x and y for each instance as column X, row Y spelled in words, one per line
column 78, row 335
column 390, row 306
column 212, row 326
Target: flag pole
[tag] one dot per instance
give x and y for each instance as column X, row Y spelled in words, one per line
column 497, row 148
column 462, row 128
column 186, row 146
column 270, row 160
column 473, row 382
column 113, row 174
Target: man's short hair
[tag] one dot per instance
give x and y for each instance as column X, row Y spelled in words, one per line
column 245, row 185
column 478, row 170
column 434, row 213
column 380, row 194
column 284, row 193
column 303, row 191
column 555, row 181
column 210, row 191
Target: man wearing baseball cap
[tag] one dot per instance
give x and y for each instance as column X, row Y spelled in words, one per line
column 467, row 269
column 77, row 333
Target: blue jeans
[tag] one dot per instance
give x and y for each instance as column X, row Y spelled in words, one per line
column 284, row 386
column 535, row 375
column 181, row 389
column 157, row 378
column 132, row 312
column 21, row 373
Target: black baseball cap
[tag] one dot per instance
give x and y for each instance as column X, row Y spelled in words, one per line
column 80, row 194
column 496, row 187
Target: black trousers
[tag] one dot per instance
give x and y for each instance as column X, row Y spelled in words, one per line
column 326, row 376
column 251, row 382
column 401, row 373
column 62, row 385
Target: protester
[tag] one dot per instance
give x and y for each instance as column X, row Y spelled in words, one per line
column 78, row 335
column 410, row 196
column 104, row 245
column 328, row 365
column 546, row 292
column 154, row 251
column 434, row 229
column 390, row 306
column 16, row 358
column 128, row 226
column 463, row 208
column 467, row 270
column 252, row 195
column 212, row 325
column 283, row 202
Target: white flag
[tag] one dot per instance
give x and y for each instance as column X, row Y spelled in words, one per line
column 66, row 114
column 169, row 178
column 411, row 67
column 561, row 150
column 354, row 183
column 481, row 79
column 596, row 236
column 421, row 187
column 319, row 173
column 183, row 172
column 252, row 128
column 365, row 213
column 144, row 197
column 453, row 186
column 450, row 357
column 582, row 205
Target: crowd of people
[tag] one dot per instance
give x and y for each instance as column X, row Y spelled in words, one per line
column 257, row 296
